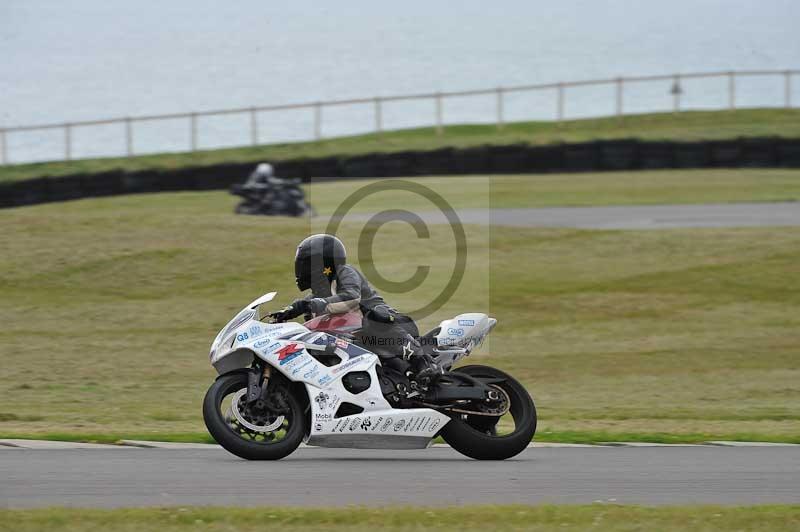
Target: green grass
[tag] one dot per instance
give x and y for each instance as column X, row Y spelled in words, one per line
column 108, row 307
column 546, row 517
column 685, row 126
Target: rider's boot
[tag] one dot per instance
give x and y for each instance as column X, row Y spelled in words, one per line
column 424, row 371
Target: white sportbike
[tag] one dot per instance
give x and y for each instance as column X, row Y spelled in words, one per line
column 281, row 384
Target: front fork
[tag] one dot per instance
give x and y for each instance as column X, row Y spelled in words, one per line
column 257, row 383
column 264, row 392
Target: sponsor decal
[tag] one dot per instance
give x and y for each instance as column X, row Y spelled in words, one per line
column 399, row 425
column 377, row 423
column 408, row 425
column 455, row 332
column 325, row 379
column 386, row 424
column 339, row 424
column 333, row 403
column 241, row 337
column 466, row 323
column 297, row 369
column 350, row 363
column 433, row 425
column 262, row 343
column 323, row 417
column 318, row 427
column 299, row 360
column 366, row 424
column 422, row 425
column 256, row 331
column 288, row 353
column 354, row 424
column 322, row 400
column 311, row 373
column 340, row 342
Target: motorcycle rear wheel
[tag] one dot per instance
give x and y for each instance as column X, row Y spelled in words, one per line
column 249, row 449
column 476, row 436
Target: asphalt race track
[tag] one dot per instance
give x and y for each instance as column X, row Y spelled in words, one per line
column 437, row 476
column 617, row 217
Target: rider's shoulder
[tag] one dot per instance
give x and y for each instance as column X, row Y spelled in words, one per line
column 347, row 269
column 348, row 272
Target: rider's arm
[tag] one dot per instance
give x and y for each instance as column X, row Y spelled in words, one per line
column 348, row 292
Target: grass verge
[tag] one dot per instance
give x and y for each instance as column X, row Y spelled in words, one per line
column 546, row 517
column 685, row 126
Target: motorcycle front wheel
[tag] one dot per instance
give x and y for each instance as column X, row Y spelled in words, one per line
column 485, row 437
column 245, row 431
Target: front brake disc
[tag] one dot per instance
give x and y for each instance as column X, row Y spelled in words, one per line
column 235, row 408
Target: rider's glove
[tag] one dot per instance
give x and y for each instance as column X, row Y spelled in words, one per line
column 317, row 306
column 298, row 307
column 279, row 315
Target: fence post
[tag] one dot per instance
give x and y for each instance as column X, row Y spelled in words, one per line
column 560, row 103
column 68, row 141
column 253, row 127
column 128, row 137
column 3, row 149
column 619, row 96
column 439, row 113
column 732, row 90
column 193, row 126
column 378, row 116
column 676, row 93
column 318, row 120
column 500, row 118
column 787, row 88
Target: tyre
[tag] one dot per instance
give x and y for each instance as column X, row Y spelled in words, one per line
column 487, row 437
column 249, row 433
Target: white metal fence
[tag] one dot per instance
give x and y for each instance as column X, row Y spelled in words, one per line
column 376, row 104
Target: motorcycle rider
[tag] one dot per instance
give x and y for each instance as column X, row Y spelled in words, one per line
column 266, row 193
column 264, row 174
column 320, row 264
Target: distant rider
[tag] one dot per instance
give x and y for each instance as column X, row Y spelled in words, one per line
column 337, row 287
column 262, row 176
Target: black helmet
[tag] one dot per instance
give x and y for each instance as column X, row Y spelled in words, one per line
column 316, row 260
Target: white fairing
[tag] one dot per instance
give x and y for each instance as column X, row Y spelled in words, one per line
column 286, row 346
column 459, row 336
column 266, row 298
column 465, row 330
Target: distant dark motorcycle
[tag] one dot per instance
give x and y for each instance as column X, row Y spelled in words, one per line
column 271, row 196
